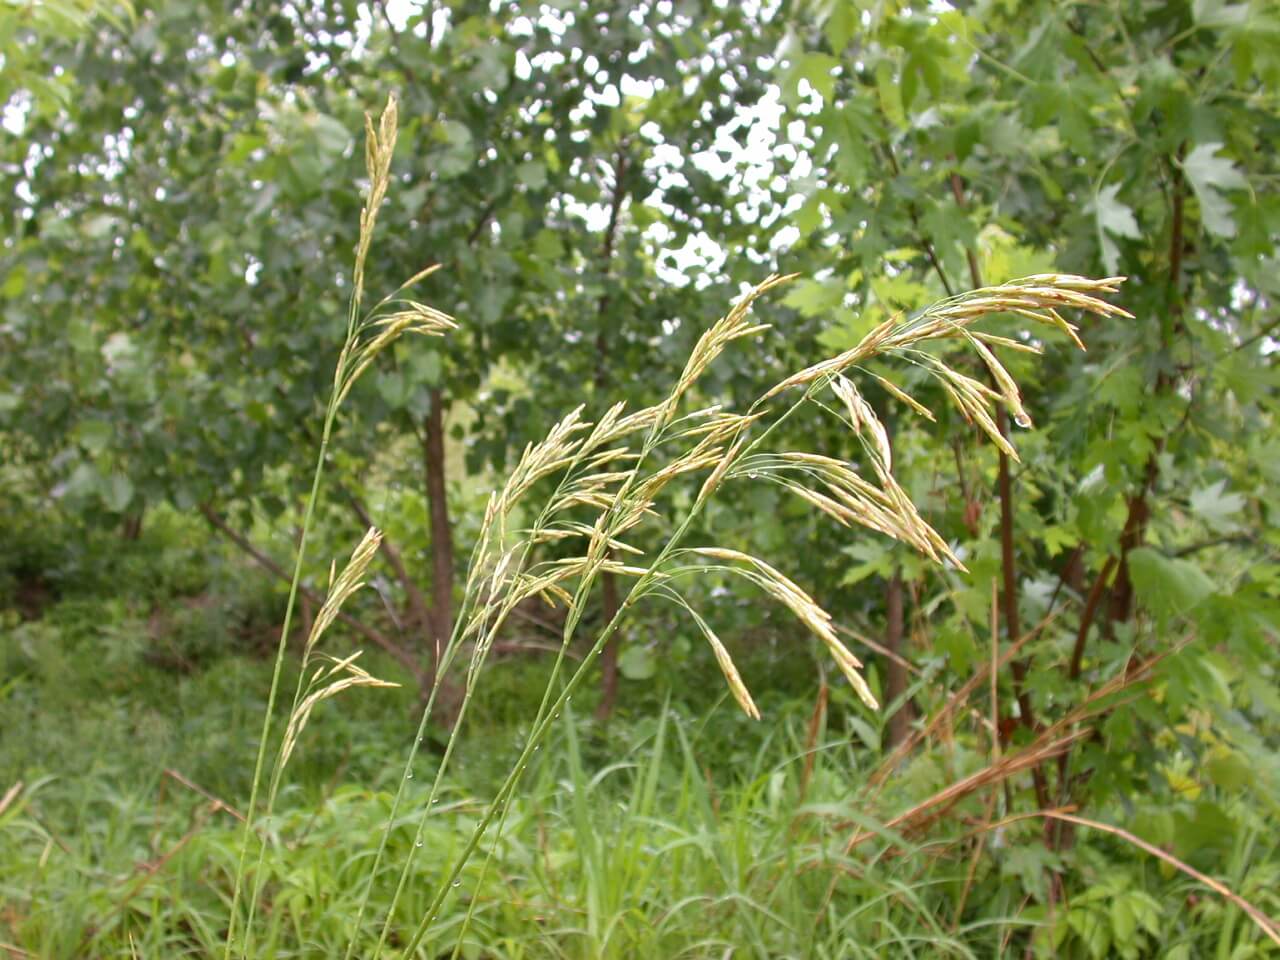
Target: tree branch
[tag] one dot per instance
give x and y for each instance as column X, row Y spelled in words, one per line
column 416, row 603
column 401, row 655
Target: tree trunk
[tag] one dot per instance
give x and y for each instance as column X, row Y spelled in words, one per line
column 609, row 655
column 131, row 528
column 608, row 582
column 895, row 684
column 441, row 531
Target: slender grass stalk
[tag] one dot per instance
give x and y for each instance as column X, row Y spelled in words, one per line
column 367, row 335
column 277, row 669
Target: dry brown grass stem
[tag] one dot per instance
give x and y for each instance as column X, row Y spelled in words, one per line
column 996, row 772
column 957, row 701
column 1268, row 925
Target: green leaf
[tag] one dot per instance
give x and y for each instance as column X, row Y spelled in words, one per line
column 394, row 387
column 637, row 663
column 890, row 94
column 459, row 153
column 1147, row 910
column 1216, row 13
column 1167, row 586
column 532, row 174
column 14, row 283
column 1123, row 921
column 1208, row 175
column 81, row 483
column 841, row 26
column 873, row 556
column 1215, row 507
column 1229, row 770
column 1246, row 377
column 815, row 298
column 1057, row 538
column 1113, row 217
column 331, row 135
column 425, row 367
column 490, row 71
column 817, row 69
column 116, row 491
column 94, row 435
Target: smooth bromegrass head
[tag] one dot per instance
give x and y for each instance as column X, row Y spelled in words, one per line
column 611, row 471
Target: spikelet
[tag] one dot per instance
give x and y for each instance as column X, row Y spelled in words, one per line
column 805, row 609
column 711, row 344
column 728, row 668
column 341, row 588
column 897, row 392
column 862, row 416
column 722, row 468
column 379, row 147
column 325, row 683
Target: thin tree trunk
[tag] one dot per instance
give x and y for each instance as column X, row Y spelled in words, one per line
column 609, row 655
column 1008, row 560
column 441, row 530
column 895, row 671
column 131, row 528
column 608, row 581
